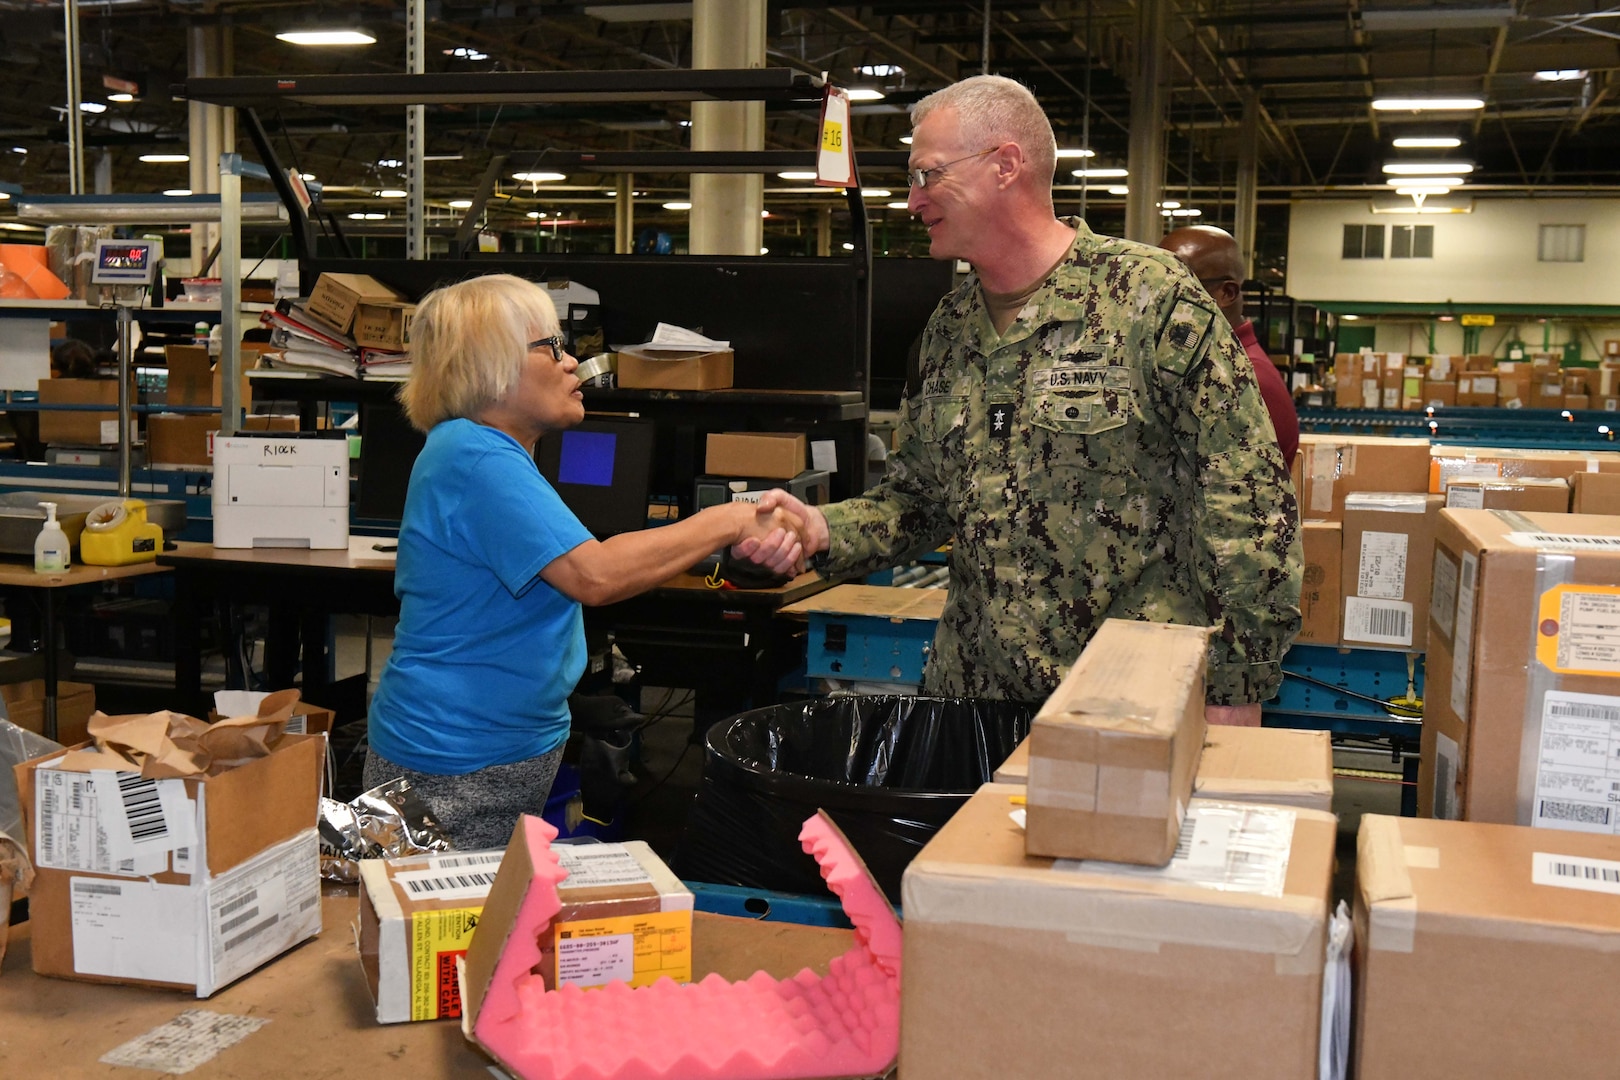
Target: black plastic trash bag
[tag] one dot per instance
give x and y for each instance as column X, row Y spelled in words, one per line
column 889, row 770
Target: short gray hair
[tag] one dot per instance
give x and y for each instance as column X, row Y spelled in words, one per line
column 469, row 342
column 995, row 109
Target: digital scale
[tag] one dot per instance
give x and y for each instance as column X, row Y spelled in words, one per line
column 126, row 262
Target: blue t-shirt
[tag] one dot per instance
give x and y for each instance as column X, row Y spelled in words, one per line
column 486, row 653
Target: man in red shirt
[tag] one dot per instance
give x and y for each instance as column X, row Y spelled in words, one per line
column 1213, row 257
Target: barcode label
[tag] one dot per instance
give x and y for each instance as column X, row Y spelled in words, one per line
column 1565, row 540
column 91, row 888
column 1578, row 813
column 1578, row 763
column 1575, row 872
column 427, row 885
column 1378, row 622
column 231, row 907
column 592, row 866
column 1446, row 757
column 467, row 858
column 249, row 935
column 1584, row 710
column 1462, row 654
column 142, row 808
column 241, row 920
column 143, row 820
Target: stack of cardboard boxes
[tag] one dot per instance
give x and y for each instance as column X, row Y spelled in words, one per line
column 1536, row 380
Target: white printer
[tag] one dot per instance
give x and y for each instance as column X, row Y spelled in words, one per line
column 280, row 491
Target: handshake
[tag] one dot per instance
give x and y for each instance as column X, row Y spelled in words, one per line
column 781, row 533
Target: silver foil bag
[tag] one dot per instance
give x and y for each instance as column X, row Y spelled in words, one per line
column 386, row 821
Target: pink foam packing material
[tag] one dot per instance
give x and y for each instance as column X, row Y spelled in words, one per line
column 846, row 1024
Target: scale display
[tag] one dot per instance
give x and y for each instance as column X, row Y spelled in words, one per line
column 124, row 262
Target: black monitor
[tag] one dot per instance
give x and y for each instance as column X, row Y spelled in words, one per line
column 601, row 468
column 388, row 449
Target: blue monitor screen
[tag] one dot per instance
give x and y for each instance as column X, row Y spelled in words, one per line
column 587, row 458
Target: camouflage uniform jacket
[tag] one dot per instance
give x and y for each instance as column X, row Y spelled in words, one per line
column 1108, row 456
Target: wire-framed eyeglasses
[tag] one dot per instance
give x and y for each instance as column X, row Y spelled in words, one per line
column 922, row 177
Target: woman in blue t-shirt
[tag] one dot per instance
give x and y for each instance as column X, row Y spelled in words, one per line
column 472, row 706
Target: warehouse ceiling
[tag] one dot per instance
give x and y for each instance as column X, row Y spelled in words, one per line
column 1314, row 68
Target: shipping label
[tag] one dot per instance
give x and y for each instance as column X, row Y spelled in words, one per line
column 438, row 938
column 1381, row 622
column 634, row 949
column 1578, row 630
column 1575, row 872
column 596, row 866
column 110, row 823
column 134, row 930
column 1443, row 596
column 262, row 907
column 1382, row 572
column 464, row 876
column 1578, row 770
column 1462, row 659
column 1228, row 847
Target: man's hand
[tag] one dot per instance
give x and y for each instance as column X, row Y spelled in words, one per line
column 785, row 552
column 1233, row 715
column 776, row 529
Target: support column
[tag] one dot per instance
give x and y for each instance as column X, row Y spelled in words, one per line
column 824, row 231
column 1248, row 186
column 624, row 215
column 726, row 207
column 415, row 135
column 1142, row 220
column 75, row 116
column 212, row 130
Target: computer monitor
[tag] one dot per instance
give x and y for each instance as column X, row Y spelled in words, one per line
column 601, row 468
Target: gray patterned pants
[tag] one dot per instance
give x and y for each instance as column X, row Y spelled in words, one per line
column 477, row 809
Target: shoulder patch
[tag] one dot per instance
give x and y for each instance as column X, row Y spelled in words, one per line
column 1184, row 336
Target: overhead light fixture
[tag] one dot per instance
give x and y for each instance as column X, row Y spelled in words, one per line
column 848, row 246
column 326, row 37
column 539, row 177
column 121, row 98
column 1187, row 212
column 1080, row 152
column 865, row 93
column 898, row 206
column 165, row 159
column 390, row 163
column 875, row 193
column 906, row 139
column 677, row 206
column 1426, row 142
column 5, row 196
column 1119, row 189
column 1559, row 75
column 367, row 216
column 1348, row 318
column 177, row 192
column 1427, row 181
column 798, row 174
column 881, row 71
column 1427, row 168
column 1102, row 174
column 92, row 107
column 1424, row 209
column 1427, row 104
column 764, row 213
column 460, row 204
column 1423, row 191
column 306, row 176
column 441, row 157
column 764, row 251
column 535, row 215
column 463, row 52
column 1172, row 205
column 19, row 149
column 391, row 193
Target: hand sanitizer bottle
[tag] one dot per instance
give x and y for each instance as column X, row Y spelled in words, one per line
column 51, row 546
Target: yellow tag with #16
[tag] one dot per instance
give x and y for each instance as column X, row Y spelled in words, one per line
column 832, row 137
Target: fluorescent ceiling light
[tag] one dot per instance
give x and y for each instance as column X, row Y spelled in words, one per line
column 764, row 251
column 461, row 204
column 1424, row 209
column 1079, row 151
column 539, row 177
column 1349, row 318
column 1102, row 174
column 390, row 163
column 865, row 93
column 797, row 174
column 1119, row 190
column 465, row 53
column 19, row 149
column 677, row 206
column 1172, row 205
column 4, row 195
column 177, row 192
column 1186, row 212
column 906, row 139
column 1423, row 191
column 326, row 37
column 392, row 193
column 535, row 215
column 165, row 159
column 881, row 71
column 898, row 206
column 1426, row 142
column 441, row 157
column 1427, row 168
column 359, row 216
column 875, row 193
column 306, row 176
column 1559, row 75
column 764, row 213
column 1427, row 104
column 1427, row 181
column 122, row 99
column 92, row 106
column 848, row 246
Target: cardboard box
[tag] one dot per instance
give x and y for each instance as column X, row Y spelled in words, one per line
column 1505, row 927
column 1333, row 466
column 1577, row 401
column 75, row 703
column 1546, row 362
column 1439, row 392
column 645, row 368
column 1546, row 494
column 1018, row 967
column 1476, row 391
column 383, row 326
column 1443, row 367
column 624, row 916
column 79, row 428
column 1319, row 594
column 269, row 422
column 1450, row 462
column 1547, row 393
column 306, row 719
column 1607, row 380
column 1412, row 386
column 1523, row 674
column 1513, row 391
column 777, row 455
column 1388, row 553
column 1481, row 362
column 194, row 381
column 1595, row 493
column 1578, row 381
column 1392, row 380
column 336, row 296
column 1607, row 404
column 173, row 439
column 186, row 919
column 1112, row 754
column 1272, row 766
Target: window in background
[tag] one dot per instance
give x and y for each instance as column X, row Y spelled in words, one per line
column 1363, row 242
column 1411, row 241
column 1562, row 243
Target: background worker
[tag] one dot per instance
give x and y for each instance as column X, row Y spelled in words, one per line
column 472, row 706
column 1213, row 257
column 1085, row 428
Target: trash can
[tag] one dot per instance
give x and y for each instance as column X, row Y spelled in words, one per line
column 890, row 770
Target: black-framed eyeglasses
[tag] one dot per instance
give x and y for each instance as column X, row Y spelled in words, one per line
column 921, row 177
column 555, row 342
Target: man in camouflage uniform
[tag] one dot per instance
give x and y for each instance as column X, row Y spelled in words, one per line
column 1086, row 428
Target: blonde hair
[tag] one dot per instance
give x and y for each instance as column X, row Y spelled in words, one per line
column 469, row 342
column 991, row 110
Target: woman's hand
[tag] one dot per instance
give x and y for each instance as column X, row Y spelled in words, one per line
column 786, row 552
column 774, row 529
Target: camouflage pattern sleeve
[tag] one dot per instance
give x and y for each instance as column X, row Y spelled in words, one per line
column 1247, row 556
